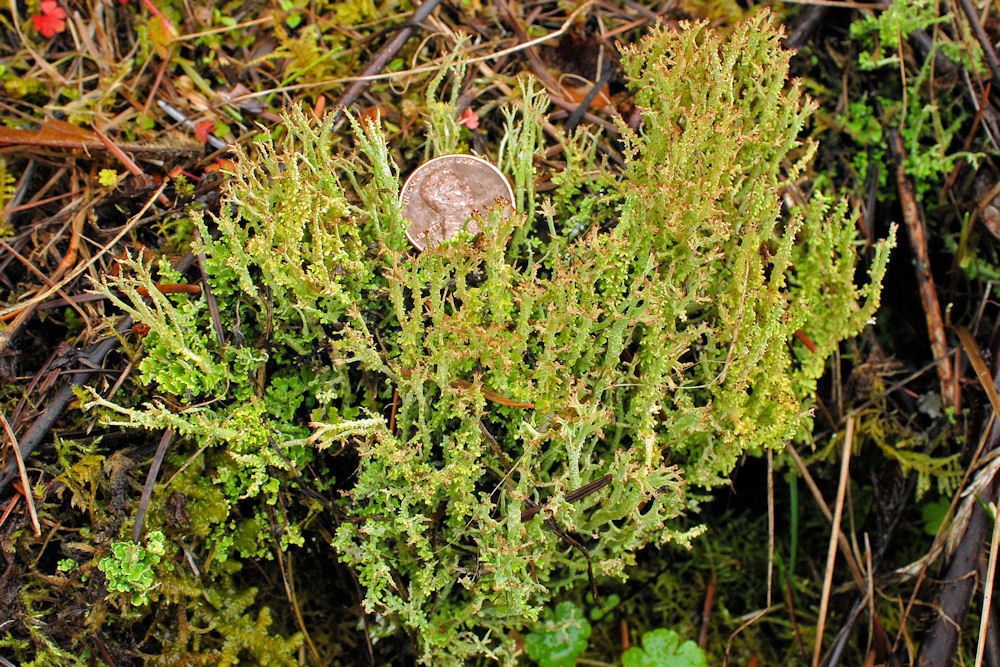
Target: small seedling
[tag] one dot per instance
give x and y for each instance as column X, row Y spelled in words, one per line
column 560, row 638
column 130, row 567
column 933, row 514
column 108, row 178
column 664, row 648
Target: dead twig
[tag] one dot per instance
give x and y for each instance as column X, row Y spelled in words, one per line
column 382, row 58
column 952, row 602
column 127, row 162
column 571, row 497
column 984, row 41
column 213, row 305
column 54, row 406
column 953, row 598
column 492, row 395
column 928, row 294
column 550, row 522
column 706, row 611
column 147, row 489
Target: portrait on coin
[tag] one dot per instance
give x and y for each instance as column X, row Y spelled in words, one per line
column 453, row 203
column 442, row 197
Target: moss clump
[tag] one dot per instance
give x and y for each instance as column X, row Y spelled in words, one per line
column 628, row 333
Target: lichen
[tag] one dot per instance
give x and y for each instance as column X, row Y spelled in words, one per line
column 526, row 407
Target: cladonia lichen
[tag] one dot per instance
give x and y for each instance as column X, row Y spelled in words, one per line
column 526, row 409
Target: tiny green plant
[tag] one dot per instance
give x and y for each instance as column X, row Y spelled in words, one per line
column 108, row 178
column 129, row 568
column 884, row 31
column 929, row 128
column 933, row 513
column 664, row 648
column 559, row 638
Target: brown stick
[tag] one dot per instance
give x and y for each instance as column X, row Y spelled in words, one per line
column 984, row 41
column 126, row 161
column 54, row 406
column 928, row 294
column 382, row 58
column 147, row 488
column 35, row 204
column 571, row 497
column 706, row 611
column 941, row 641
column 213, row 305
column 493, row 396
column 171, row 288
column 952, row 603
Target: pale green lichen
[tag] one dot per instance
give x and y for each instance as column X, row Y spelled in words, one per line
column 647, row 316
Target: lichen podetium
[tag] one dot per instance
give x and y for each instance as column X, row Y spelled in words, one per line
column 648, row 315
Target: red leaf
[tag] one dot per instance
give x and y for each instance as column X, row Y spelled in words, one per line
column 222, row 164
column 52, row 20
column 469, row 119
column 202, row 129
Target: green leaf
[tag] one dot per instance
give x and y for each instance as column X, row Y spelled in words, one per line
column 558, row 641
column 162, row 33
column 933, row 514
column 108, row 178
column 663, row 648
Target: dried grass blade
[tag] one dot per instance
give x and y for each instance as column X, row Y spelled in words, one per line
column 493, row 396
column 24, row 475
column 978, row 365
column 831, row 552
column 991, row 572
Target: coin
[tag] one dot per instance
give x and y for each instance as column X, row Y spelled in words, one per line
column 441, row 196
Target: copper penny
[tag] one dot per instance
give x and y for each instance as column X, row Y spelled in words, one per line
column 441, row 196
